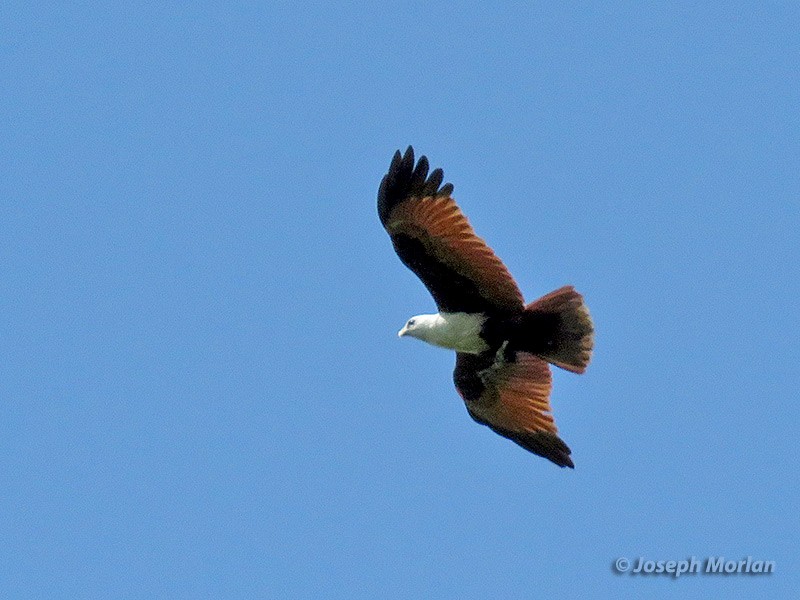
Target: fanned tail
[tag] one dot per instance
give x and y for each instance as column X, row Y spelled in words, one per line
column 557, row 327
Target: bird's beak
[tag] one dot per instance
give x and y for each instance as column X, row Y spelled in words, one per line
column 402, row 332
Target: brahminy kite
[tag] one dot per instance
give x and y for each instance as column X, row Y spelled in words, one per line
column 503, row 346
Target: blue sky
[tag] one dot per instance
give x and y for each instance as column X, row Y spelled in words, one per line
column 203, row 394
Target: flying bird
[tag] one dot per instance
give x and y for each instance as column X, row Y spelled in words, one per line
column 504, row 347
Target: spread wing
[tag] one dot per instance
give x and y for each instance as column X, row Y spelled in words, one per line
column 434, row 239
column 512, row 396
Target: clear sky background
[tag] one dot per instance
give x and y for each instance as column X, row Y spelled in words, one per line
column 202, row 390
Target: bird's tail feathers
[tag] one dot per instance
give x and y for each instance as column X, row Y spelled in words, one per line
column 560, row 329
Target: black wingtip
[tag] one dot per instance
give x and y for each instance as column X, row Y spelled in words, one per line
column 545, row 444
column 404, row 180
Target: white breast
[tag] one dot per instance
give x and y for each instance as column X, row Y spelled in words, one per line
column 457, row 331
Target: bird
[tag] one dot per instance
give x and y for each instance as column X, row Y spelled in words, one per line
column 504, row 347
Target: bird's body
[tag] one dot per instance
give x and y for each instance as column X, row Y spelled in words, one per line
column 503, row 346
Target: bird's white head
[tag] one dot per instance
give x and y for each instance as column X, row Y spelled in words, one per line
column 457, row 331
column 420, row 327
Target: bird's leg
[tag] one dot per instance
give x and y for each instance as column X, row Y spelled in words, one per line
column 499, row 362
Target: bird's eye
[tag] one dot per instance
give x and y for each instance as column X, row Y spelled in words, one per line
column 411, row 322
